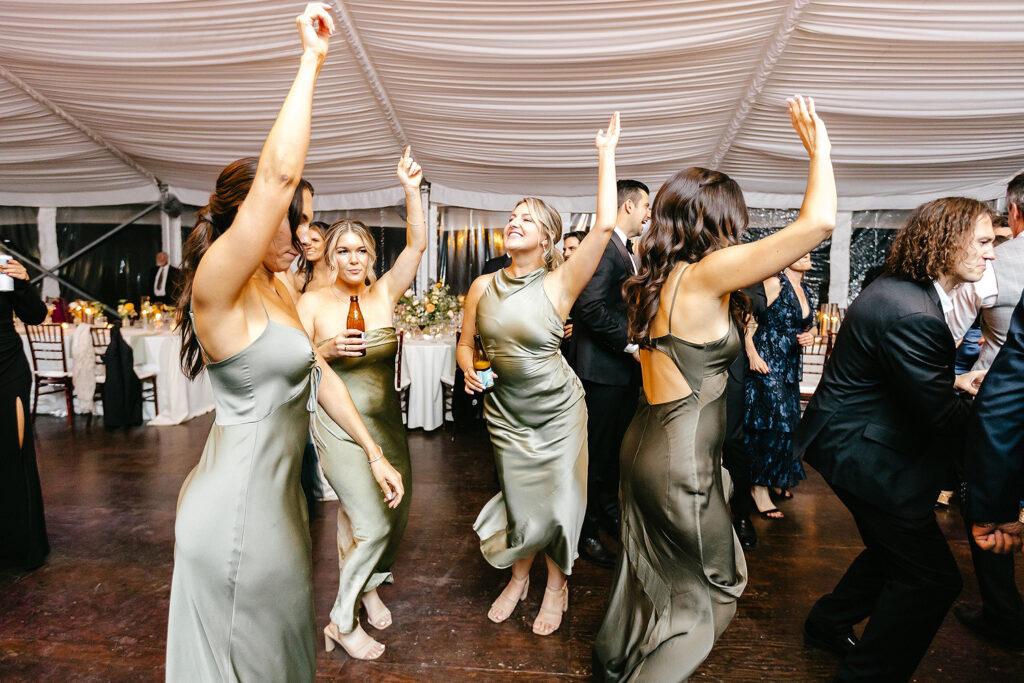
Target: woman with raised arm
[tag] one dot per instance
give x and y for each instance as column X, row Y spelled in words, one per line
column 535, row 414
column 368, row 530
column 682, row 566
column 241, row 603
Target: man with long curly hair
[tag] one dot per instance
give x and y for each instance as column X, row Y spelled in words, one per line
column 879, row 429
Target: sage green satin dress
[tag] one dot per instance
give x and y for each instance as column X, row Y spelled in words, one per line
column 537, row 420
column 242, row 590
column 368, row 530
column 682, row 567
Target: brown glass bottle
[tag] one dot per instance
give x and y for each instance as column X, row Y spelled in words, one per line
column 355, row 318
column 482, row 364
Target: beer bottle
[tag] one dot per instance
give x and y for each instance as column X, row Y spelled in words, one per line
column 482, row 364
column 355, row 318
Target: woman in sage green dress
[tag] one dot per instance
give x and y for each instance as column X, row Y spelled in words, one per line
column 368, row 530
column 682, row 567
column 241, row 605
column 535, row 414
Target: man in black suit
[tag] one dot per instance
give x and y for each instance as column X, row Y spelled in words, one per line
column 493, row 265
column 164, row 282
column 878, row 428
column 608, row 366
column 735, row 457
column 995, row 479
column 570, row 243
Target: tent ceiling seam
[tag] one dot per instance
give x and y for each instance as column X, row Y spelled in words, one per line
column 59, row 112
column 769, row 57
column 348, row 27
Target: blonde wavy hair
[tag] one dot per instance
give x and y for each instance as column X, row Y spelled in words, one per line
column 550, row 224
column 359, row 229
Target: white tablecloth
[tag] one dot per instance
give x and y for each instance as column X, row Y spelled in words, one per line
column 180, row 399
column 425, row 362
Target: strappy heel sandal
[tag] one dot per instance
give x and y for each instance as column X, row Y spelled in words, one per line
column 380, row 620
column 495, row 615
column 366, row 652
column 553, row 615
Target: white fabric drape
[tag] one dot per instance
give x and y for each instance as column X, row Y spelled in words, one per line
column 501, row 99
column 839, row 260
column 49, row 256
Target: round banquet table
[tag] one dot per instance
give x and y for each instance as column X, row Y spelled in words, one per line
column 180, row 399
column 425, row 364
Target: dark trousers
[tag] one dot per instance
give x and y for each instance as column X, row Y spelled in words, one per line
column 1000, row 600
column 904, row 582
column 734, row 452
column 610, row 409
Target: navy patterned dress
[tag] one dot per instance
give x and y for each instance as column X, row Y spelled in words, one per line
column 773, row 400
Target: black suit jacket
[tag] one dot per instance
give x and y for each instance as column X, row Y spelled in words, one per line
column 600, row 325
column 172, row 287
column 995, row 443
column 884, row 420
column 495, row 264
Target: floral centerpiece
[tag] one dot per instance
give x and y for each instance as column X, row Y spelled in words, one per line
column 437, row 309
column 126, row 310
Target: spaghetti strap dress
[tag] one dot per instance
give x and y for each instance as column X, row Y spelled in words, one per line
column 368, row 530
column 681, row 568
column 242, row 591
column 537, row 421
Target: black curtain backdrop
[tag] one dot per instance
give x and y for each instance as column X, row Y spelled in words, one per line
column 20, row 232
column 116, row 268
column 816, row 281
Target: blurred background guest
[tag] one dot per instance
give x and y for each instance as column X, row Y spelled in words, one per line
column 164, row 281
column 773, row 386
column 23, row 539
column 570, row 242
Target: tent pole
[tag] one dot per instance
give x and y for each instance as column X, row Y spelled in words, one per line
column 25, row 259
column 102, row 238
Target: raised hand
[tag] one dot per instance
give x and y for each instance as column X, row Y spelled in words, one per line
column 409, row 172
column 315, row 27
column 607, row 138
column 809, row 126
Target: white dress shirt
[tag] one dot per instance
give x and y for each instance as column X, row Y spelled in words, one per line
column 967, row 301
column 630, row 348
column 160, row 284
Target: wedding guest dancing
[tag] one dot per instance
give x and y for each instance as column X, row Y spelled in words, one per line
column 23, row 541
column 535, row 414
column 772, row 402
column 880, row 428
column 241, row 605
column 607, row 365
column 682, row 567
column 314, row 269
column 369, row 530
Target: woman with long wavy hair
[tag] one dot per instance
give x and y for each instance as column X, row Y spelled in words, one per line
column 241, row 604
column 368, row 530
column 682, row 567
column 535, row 414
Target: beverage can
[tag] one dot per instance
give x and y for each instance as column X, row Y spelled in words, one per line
column 6, row 281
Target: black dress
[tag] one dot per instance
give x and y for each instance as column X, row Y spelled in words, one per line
column 22, row 525
column 773, row 400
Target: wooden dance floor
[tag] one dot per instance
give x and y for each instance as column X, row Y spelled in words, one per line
column 97, row 611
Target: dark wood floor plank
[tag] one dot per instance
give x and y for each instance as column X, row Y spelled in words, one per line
column 97, row 611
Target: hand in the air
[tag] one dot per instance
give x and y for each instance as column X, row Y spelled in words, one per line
column 607, row 139
column 315, row 27
column 409, row 172
column 809, row 126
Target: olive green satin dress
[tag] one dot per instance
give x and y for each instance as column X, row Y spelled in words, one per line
column 537, row 420
column 682, row 567
column 368, row 530
column 242, row 590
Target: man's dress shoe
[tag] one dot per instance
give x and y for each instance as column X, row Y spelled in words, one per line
column 975, row 621
column 592, row 550
column 746, row 533
column 830, row 641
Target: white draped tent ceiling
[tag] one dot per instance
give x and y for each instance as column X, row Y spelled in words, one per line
column 501, row 99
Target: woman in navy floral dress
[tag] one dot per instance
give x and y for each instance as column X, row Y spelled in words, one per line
column 773, row 386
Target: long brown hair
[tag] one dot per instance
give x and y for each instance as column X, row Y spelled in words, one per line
column 306, row 266
column 212, row 221
column 933, row 241
column 696, row 212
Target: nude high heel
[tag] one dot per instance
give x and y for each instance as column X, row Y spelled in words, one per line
column 366, row 652
column 497, row 616
column 553, row 616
